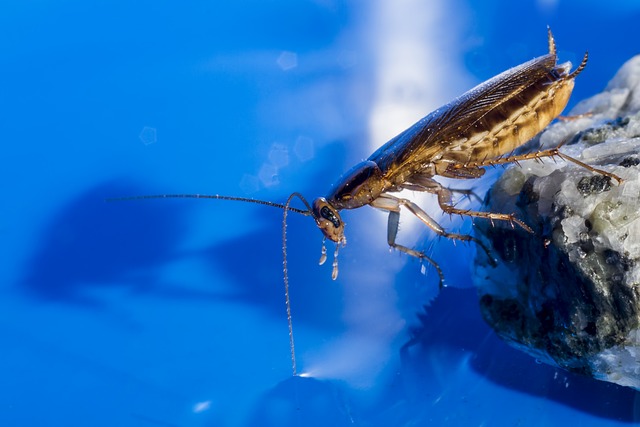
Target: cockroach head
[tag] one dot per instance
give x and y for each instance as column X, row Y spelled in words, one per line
column 328, row 220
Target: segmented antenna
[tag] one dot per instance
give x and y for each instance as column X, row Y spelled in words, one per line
column 215, row 197
column 285, row 273
column 286, row 208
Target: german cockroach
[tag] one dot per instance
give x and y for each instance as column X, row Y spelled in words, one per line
column 478, row 129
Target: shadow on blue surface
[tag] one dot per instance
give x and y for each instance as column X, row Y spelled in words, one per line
column 92, row 244
column 453, row 331
column 455, row 323
column 138, row 238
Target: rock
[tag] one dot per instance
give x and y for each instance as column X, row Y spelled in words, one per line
column 569, row 294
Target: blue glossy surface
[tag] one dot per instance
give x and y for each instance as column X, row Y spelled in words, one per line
column 171, row 312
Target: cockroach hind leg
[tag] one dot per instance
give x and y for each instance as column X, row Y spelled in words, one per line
column 522, row 225
column 445, row 203
column 538, row 156
column 590, row 168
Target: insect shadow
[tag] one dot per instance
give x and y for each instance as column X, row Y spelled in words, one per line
column 453, row 324
column 89, row 245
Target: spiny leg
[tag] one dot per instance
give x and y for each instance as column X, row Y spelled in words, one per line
column 446, row 202
column 393, row 204
column 392, row 232
column 465, row 192
column 537, row 155
column 588, row 167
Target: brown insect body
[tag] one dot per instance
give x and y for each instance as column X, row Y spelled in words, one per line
column 478, row 129
column 486, row 122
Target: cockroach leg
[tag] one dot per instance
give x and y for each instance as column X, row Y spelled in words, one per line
column 393, row 204
column 446, row 203
column 589, row 167
column 539, row 155
column 423, row 257
column 460, row 171
column 392, row 232
column 444, row 200
column 465, row 192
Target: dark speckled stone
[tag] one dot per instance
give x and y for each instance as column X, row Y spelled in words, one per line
column 569, row 293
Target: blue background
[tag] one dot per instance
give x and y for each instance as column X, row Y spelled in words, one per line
column 171, row 312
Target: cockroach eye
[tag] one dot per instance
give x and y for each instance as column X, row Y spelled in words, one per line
column 328, row 214
column 328, row 220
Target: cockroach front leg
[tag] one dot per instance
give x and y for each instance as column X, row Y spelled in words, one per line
column 445, row 200
column 392, row 232
column 393, row 204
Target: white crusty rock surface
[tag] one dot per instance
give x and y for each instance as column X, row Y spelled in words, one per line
column 569, row 294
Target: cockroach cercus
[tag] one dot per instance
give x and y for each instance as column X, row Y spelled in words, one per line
column 458, row 140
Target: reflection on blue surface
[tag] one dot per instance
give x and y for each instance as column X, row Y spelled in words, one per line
column 171, row 312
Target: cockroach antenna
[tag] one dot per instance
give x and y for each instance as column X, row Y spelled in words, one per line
column 213, row 196
column 285, row 273
column 286, row 208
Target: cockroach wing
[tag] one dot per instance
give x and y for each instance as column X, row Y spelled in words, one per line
column 444, row 132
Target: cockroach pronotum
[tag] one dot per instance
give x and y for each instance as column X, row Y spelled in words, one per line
column 480, row 128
